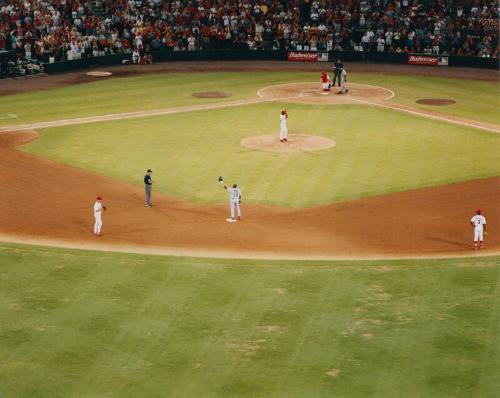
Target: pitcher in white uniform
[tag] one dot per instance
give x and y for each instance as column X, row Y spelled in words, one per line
column 234, row 201
column 478, row 222
column 98, row 210
column 283, row 128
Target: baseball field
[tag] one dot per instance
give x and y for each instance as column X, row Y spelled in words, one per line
column 352, row 272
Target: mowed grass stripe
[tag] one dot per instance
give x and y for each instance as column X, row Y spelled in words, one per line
column 131, row 325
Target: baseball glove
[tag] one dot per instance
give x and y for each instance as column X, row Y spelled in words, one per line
column 104, row 208
column 221, row 179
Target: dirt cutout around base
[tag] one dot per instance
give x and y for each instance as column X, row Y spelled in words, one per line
column 211, row 94
column 98, row 74
column 296, row 143
column 436, row 101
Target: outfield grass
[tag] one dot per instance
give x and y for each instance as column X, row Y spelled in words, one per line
column 475, row 99
column 378, row 151
column 88, row 324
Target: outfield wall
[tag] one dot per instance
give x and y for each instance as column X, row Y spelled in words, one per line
column 260, row 55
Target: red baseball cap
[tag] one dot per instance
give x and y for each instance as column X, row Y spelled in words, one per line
column 98, row 198
column 478, row 211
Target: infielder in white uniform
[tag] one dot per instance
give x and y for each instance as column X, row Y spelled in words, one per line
column 234, row 200
column 283, row 128
column 478, row 222
column 98, row 210
column 343, row 80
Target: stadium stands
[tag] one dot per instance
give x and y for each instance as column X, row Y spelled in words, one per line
column 55, row 30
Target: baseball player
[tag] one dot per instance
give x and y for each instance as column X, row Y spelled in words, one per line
column 98, row 210
column 283, row 128
column 234, row 201
column 478, row 222
column 148, row 181
column 343, row 80
column 325, row 80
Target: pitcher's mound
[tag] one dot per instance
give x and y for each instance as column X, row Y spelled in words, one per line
column 296, row 143
column 436, row 101
column 211, row 94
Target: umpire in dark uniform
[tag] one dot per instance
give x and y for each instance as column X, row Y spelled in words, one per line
column 337, row 71
column 148, row 181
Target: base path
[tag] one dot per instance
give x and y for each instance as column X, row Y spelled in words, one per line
column 48, row 202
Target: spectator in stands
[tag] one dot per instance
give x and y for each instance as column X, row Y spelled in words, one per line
column 66, row 29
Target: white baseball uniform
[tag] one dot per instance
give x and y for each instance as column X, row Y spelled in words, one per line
column 283, row 128
column 98, row 217
column 234, row 201
column 478, row 221
column 343, row 80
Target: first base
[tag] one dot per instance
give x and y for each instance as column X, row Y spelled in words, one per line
column 230, row 220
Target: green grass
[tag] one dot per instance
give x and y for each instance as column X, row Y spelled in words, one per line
column 88, row 324
column 475, row 99
column 378, row 151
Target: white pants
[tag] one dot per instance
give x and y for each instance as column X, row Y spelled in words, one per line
column 343, row 88
column 326, row 86
column 98, row 223
column 478, row 234
column 235, row 205
column 283, row 132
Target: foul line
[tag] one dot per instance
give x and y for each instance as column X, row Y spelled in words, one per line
column 261, row 99
column 8, row 116
column 427, row 115
column 138, row 114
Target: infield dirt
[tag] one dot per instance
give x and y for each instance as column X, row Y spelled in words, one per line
column 44, row 200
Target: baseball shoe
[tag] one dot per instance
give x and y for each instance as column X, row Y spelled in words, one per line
column 239, row 218
column 285, row 139
column 282, row 140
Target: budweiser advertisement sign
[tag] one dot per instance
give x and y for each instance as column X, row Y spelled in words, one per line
column 303, row 56
column 422, row 59
column 419, row 59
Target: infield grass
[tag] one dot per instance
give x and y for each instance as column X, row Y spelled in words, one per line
column 475, row 99
column 378, row 152
column 95, row 324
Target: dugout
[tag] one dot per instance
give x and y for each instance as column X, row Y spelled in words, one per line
column 7, row 63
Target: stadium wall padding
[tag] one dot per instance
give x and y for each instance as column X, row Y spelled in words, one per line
column 258, row 55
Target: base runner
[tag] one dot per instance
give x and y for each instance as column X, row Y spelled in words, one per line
column 478, row 222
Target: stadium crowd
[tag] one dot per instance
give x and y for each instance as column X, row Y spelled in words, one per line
column 72, row 29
